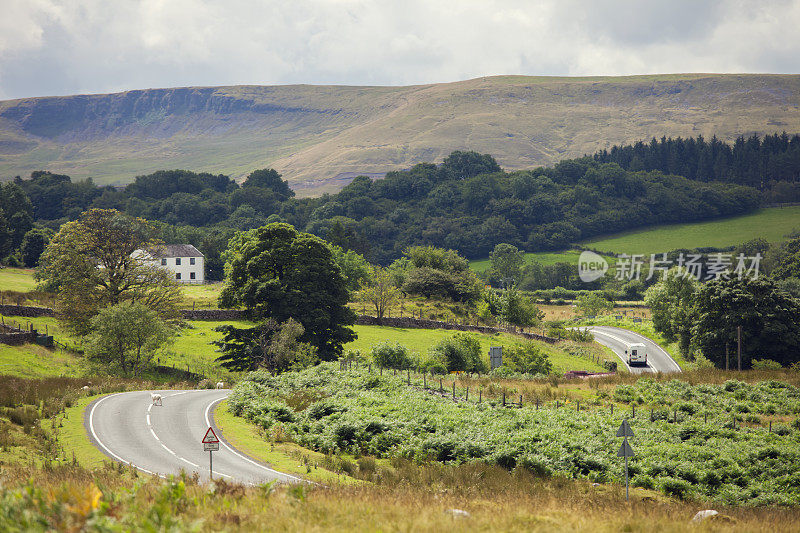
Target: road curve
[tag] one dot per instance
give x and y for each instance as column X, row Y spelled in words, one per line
column 165, row 439
column 658, row 360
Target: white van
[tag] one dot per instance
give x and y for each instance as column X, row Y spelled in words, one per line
column 636, row 354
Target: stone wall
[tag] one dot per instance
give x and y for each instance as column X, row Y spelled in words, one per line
column 213, row 314
column 26, row 311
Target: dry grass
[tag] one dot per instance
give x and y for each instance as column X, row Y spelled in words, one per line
column 413, row 499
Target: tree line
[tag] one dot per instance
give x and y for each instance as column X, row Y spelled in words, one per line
column 752, row 161
column 467, row 203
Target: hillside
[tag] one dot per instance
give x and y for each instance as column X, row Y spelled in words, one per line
column 319, row 137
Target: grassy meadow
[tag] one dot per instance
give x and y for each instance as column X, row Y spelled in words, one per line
column 17, row 279
column 772, row 224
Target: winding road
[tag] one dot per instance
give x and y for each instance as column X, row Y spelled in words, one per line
column 165, row 439
column 658, row 360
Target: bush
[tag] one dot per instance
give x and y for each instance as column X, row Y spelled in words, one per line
column 461, row 352
column 675, row 487
column 206, row 384
column 766, row 364
column 391, row 355
column 527, row 358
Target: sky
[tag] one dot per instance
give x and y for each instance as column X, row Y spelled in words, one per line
column 52, row 47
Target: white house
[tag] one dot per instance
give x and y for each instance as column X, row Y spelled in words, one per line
column 184, row 260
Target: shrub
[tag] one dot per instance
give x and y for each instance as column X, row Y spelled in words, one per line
column 535, row 465
column 527, row 358
column 461, row 352
column 781, row 430
column 206, row 384
column 392, row 355
column 766, row 364
column 644, row 481
column 675, row 487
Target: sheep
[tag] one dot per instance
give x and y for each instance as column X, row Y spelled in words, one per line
column 85, row 388
column 156, row 398
column 220, row 384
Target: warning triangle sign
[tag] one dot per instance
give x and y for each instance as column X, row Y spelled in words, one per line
column 625, row 450
column 625, row 430
column 211, row 437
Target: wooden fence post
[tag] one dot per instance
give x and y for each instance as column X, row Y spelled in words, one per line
column 504, row 399
column 466, row 395
column 454, row 390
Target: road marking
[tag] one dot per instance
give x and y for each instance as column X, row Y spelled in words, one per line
column 222, row 441
column 106, row 448
column 152, row 432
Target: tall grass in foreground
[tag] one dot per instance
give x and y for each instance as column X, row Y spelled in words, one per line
column 116, row 498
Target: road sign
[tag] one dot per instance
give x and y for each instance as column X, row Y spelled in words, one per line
column 625, row 450
column 210, row 444
column 210, row 437
column 623, row 431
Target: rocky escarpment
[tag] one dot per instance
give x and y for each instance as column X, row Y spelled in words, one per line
column 320, row 136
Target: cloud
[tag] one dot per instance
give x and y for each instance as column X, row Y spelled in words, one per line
column 77, row 46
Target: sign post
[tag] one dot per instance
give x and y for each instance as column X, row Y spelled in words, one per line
column 210, row 444
column 625, row 450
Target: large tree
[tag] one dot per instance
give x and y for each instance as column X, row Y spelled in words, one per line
column 96, row 262
column 269, row 345
column 277, row 272
column 379, row 290
column 766, row 314
column 127, row 335
column 507, row 261
column 671, row 302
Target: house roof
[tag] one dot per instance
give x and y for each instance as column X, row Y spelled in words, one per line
column 176, row 250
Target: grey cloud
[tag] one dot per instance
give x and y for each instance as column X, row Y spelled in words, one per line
column 75, row 46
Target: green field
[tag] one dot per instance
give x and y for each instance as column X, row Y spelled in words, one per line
column 193, row 347
column 17, row 279
column 422, row 340
column 772, row 224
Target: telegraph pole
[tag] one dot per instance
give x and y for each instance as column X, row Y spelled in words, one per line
column 739, row 341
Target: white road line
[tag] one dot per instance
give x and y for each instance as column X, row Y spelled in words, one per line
column 152, row 432
column 106, row 448
column 208, row 421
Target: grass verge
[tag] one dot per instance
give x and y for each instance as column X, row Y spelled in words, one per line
column 283, row 456
column 74, row 438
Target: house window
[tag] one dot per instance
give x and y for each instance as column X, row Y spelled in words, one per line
column 191, row 275
column 164, row 261
column 177, row 275
column 191, row 260
column 177, row 260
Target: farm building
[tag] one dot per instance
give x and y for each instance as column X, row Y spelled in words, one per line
column 184, row 260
